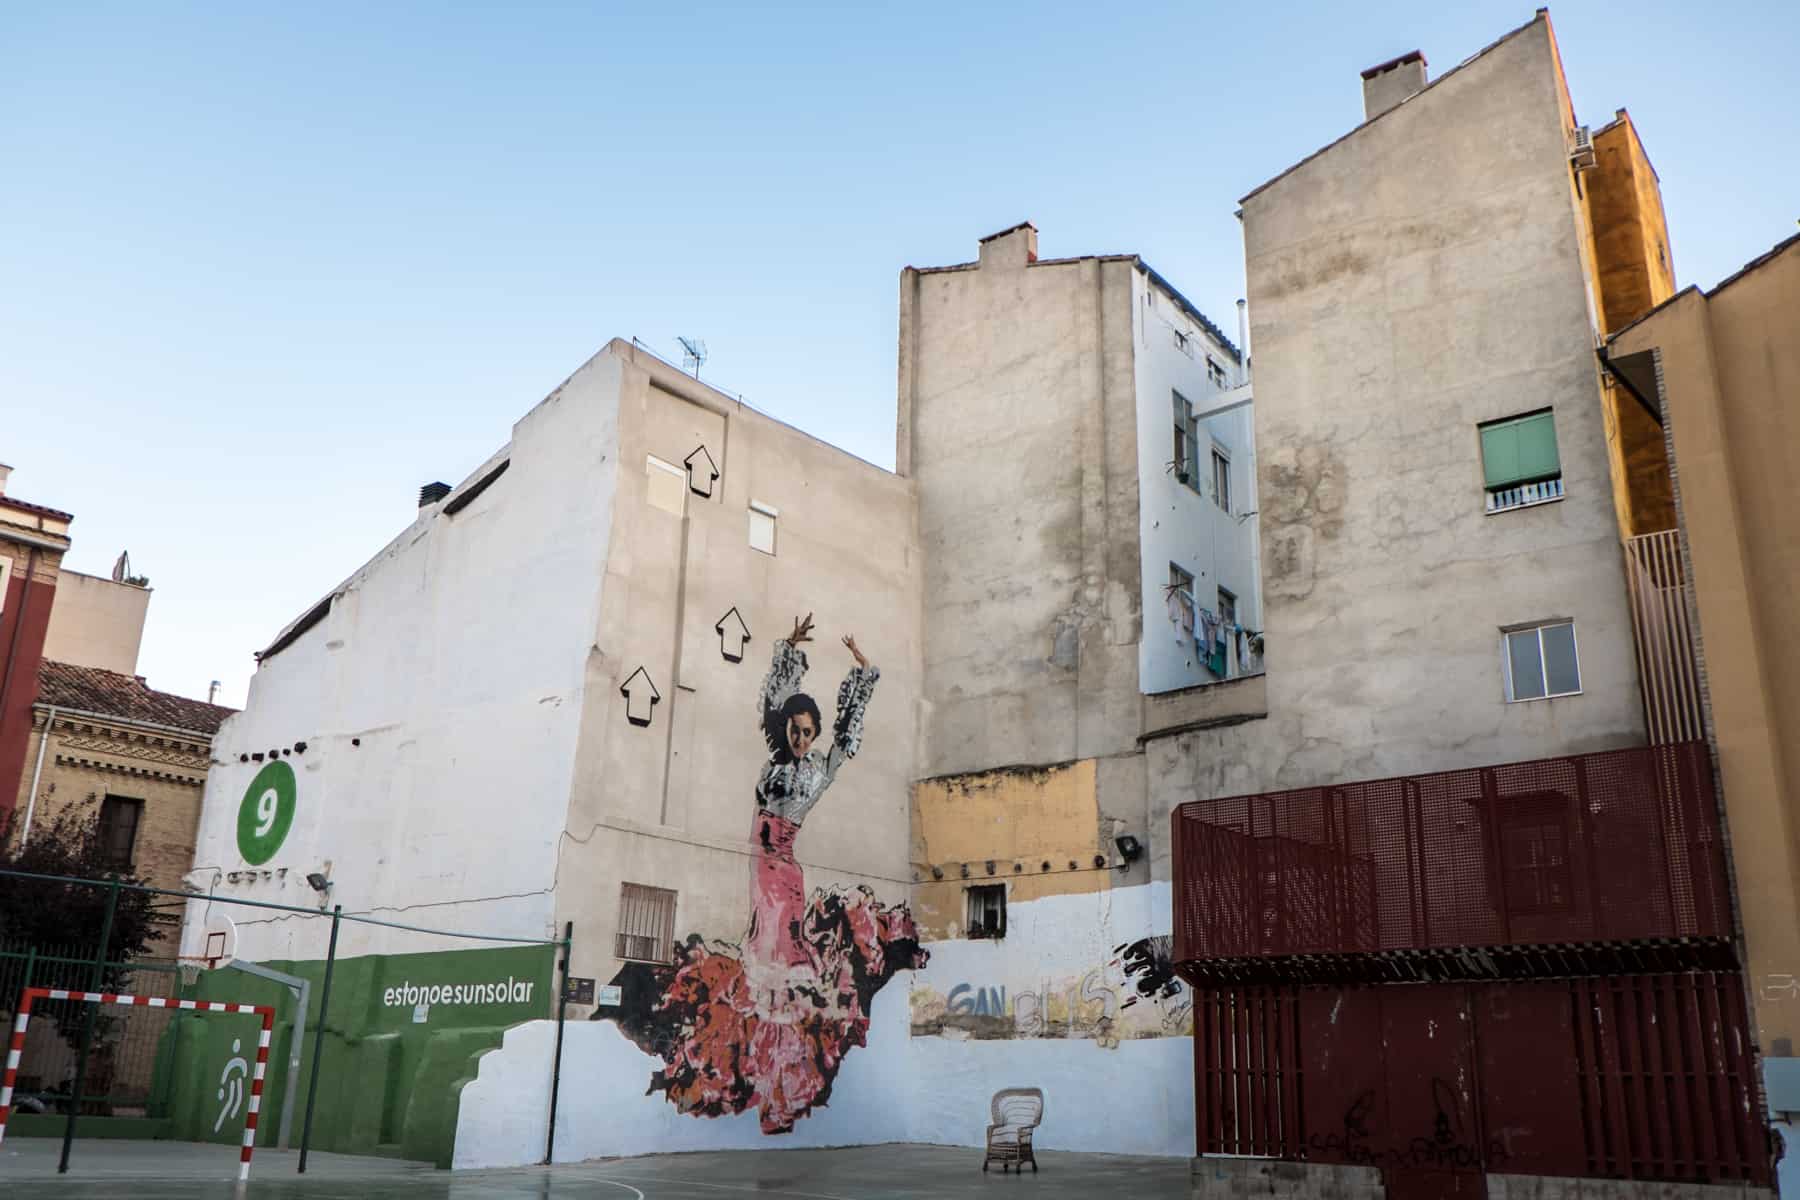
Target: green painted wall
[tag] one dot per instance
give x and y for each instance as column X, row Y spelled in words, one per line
column 391, row 1075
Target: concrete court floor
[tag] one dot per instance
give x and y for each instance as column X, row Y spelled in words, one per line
column 134, row 1170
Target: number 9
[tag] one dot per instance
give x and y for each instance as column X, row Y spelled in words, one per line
column 266, row 806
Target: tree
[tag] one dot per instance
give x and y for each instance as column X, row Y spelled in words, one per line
column 63, row 920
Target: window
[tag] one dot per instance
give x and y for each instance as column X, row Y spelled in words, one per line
column 5, row 579
column 987, row 911
column 1215, row 372
column 1183, row 343
column 667, row 485
column 1541, row 662
column 1221, row 468
column 1224, row 636
column 646, row 924
column 1181, row 598
column 762, row 526
column 1187, row 442
column 119, row 818
column 1519, row 462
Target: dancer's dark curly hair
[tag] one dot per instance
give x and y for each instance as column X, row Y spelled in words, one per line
column 775, row 722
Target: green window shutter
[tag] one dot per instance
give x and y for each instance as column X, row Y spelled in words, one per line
column 1537, row 447
column 1519, row 450
column 1500, row 453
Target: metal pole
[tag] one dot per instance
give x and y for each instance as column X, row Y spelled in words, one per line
column 312, row 1089
column 562, row 1012
column 87, row 1026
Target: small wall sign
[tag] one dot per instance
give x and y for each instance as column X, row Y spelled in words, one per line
column 578, row 990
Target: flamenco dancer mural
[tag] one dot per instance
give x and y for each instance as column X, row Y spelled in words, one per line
column 765, row 1023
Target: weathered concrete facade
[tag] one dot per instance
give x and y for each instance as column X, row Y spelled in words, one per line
column 1415, row 279
column 97, row 622
column 1081, row 440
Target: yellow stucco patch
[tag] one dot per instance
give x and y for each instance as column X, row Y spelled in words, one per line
column 1018, row 819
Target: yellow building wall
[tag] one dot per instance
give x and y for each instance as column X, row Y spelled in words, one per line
column 1035, row 829
column 1730, row 371
column 1632, row 272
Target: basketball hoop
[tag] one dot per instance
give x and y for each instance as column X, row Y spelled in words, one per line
column 190, row 966
column 215, row 945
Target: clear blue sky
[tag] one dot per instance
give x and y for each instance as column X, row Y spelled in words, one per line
column 266, row 269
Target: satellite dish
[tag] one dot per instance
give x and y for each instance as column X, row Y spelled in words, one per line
column 693, row 353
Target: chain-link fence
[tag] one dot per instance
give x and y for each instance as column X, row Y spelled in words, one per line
column 121, row 1064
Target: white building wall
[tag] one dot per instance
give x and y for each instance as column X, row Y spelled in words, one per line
column 439, row 704
column 1183, row 523
column 1129, row 1094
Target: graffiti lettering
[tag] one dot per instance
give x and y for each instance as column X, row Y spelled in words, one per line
column 1781, row 987
column 1443, row 1150
column 1135, row 994
column 983, row 1002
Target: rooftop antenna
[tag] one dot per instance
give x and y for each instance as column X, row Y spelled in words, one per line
column 693, row 353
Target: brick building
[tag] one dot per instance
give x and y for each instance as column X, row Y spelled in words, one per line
column 133, row 756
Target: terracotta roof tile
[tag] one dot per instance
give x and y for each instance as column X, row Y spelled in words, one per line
column 93, row 690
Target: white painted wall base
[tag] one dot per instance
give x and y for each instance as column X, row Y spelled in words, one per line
column 603, row 1109
column 1136, row 1098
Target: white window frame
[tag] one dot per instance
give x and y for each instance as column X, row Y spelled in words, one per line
column 1216, row 373
column 1181, row 584
column 773, row 514
column 1538, row 627
column 1221, row 459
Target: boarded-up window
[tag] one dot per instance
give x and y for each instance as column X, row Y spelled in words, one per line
column 119, row 818
column 762, row 526
column 667, row 485
column 646, row 924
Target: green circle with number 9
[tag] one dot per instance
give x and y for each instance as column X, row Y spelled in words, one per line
column 266, row 813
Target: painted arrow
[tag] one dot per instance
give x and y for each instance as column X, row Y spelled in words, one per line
column 694, row 470
column 732, row 641
column 631, row 703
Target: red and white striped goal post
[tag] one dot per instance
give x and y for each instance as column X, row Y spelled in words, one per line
column 23, row 1018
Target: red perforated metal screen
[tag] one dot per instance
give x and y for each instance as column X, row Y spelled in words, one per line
column 1614, row 849
column 1635, row 1077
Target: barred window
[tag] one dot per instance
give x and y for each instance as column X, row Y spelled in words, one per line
column 646, row 924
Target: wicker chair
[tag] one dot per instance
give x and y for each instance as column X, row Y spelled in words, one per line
column 1016, row 1112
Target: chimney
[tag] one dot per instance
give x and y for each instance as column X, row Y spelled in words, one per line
column 1391, row 82
column 4, row 472
column 431, row 493
column 1015, row 247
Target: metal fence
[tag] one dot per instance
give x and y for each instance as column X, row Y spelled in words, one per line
column 122, row 1059
column 1668, row 667
column 1646, row 1077
column 1598, row 862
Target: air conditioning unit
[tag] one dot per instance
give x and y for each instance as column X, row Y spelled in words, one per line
column 1581, row 155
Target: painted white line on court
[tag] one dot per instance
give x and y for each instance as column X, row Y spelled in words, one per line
column 626, row 1186
column 738, row 1187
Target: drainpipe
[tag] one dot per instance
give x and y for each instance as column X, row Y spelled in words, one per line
column 37, row 772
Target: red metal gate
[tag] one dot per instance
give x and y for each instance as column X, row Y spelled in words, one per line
column 1632, row 1077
